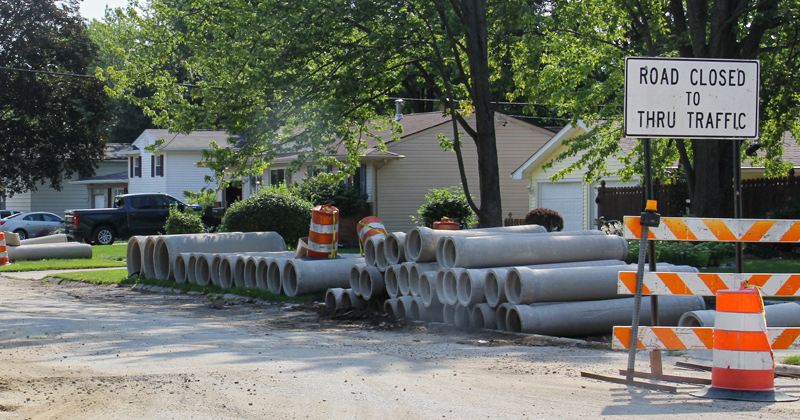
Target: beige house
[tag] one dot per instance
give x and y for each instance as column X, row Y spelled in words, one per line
column 397, row 180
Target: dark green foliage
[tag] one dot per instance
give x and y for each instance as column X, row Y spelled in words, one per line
column 704, row 254
column 446, row 202
column 325, row 189
column 791, row 211
column 180, row 222
column 275, row 209
column 549, row 219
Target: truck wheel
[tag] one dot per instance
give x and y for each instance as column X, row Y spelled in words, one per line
column 103, row 236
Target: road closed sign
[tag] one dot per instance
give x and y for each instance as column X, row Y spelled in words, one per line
column 691, row 98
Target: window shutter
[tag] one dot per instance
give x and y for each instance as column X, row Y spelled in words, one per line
column 131, row 161
column 152, row 166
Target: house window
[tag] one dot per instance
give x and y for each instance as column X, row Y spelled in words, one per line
column 136, row 167
column 312, row 171
column 156, row 165
column 277, row 176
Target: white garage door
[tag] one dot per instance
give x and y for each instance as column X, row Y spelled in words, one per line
column 567, row 199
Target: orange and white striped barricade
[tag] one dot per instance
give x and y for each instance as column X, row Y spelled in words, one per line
column 693, row 338
column 324, row 231
column 3, row 250
column 713, row 230
column 368, row 227
column 744, row 366
column 708, row 284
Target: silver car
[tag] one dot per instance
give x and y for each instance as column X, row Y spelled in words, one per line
column 32, row 224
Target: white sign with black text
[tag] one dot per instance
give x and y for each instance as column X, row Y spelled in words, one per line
column 691, row 98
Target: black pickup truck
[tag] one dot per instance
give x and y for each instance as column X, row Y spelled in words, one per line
column 134, row 214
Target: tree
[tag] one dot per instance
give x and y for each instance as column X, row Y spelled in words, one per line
column 580, row 64
column 300, row 75
column 50, row 124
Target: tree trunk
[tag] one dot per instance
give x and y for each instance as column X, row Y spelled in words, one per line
column 713, row 188
column 485, row 140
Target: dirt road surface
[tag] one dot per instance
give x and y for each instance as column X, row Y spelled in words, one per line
column 90, row 352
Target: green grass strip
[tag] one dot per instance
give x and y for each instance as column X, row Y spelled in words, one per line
column 792, row 360
column 103, row 256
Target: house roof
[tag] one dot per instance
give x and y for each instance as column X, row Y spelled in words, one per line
column 117, row 151
column 115, row 178
column 791, row 150
column 196, row 140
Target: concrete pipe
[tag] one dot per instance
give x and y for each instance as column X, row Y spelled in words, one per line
column 371, row 282
column 390, row 307
column 134, row 255
column 781, row 315
column 414, row 271
column 575, row 319
column 462, row 317
column 404, row 307
column 501, row 314
column 512, row 250
column 355, row 277
column 333, row 298
column 300, row 276
column 440, row 285
column 420, row 242
column 449, row 314
column 526, row 285
column 483, row 316
column 450, row 285
column 421, row 312
column 59, row 238
column 202, row 268
column 181, row 268
column 371, row 249
column 427, row 288
column 495, row 289
column 390, row 279
column 275, row 275
column 350, row 300
column 148, row 259
column 380, row 255
column 394, row 248
column 403, row 285
column 469, row 286
column 240, row 269
column 167, row 247
column 42, row 251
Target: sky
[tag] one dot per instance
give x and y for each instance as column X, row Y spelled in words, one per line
column 95, row 9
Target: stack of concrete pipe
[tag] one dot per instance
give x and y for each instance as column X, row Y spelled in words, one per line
column 519, row 278
column 50, row 246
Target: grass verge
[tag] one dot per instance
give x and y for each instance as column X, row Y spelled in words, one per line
column 792, row 360
column 108, row 277
column 102, row 256
column 760, row 266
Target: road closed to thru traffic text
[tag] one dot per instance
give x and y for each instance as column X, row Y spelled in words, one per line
column 689, row 98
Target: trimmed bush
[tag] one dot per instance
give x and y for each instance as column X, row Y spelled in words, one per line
column 549, row 219
column 180, row 222
column 446, row 202
column 275, row 209
column 325, row 189
column 704, row 254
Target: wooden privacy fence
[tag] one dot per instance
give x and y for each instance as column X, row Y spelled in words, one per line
column 759, row 196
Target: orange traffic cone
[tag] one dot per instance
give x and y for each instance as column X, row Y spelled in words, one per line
column 744, row 368
column 3, row 250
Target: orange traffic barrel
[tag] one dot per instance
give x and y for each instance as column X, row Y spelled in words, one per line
column 743, row 367
column 3, row 250
column 447, row 224
column 370, row 226
column 323, row 235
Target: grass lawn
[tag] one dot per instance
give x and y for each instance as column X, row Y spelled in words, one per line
column 102, row 256
column 790, row 266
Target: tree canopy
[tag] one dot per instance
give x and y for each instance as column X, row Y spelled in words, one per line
column 51, row 124
column 300, row 75
column 579, row 68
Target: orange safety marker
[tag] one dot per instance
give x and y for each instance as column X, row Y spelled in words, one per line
column 729, row 230
column 743, row 366
column 693, row 338
column 370, row 226
column 708, row 284
column 323, row 236
column 3, row 250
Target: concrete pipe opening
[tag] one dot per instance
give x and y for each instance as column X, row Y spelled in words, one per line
column 513, row 321
column 380, row 255
column 225, row 274
column 462, row 317
column 450, row 286
column 394, row 248
column 350, row 300
column 274, row 281
column 483, row 316
column 191, row 263
column 449, row 252
column 237, row 267
column 148, row 256
column 250, row 268
column 390, row 279
column 133, row 255
column 470, row 287
column 390, row 307
column 417, row 309
column 369, row 250
column 261, row 273
column 697, row 319
column 449, row 314
column 365, row 284
column 161, row 259
column 440, row 285
column 333, row 298
column 500, row 316
column 427, row 287
column 216, row 264
column 404, row 307
column 494, row 287
column 513, row 285
column 402, row 279
column 355, row 278
column 202, row 270
column 180, row 268
column 413, row 245
column 289, row 279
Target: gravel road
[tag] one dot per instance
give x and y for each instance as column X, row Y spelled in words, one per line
column 91, row 352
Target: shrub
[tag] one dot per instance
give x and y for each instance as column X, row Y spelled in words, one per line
column 446, row 202
column 325, row 189
column 274, row 209
column 179, row 222
column 705, row 254
column 549, row 219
